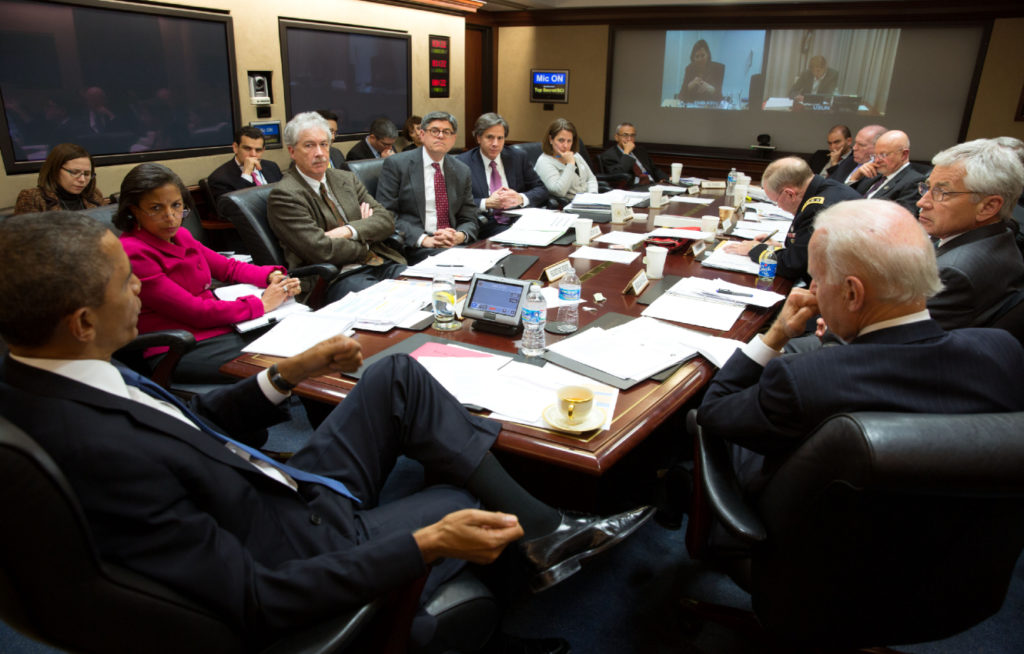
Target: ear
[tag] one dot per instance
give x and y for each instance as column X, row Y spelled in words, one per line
column 989, row 208
column 82, row 325
column 853, row 293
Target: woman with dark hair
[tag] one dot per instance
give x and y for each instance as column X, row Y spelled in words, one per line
column 561, row 167
column 66, row 181
column 409, row 139
column 176, row 271
column 702, row 80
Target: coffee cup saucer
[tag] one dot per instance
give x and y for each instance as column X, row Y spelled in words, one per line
column 593, row 420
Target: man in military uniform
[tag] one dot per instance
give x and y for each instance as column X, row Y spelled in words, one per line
column 791, row 184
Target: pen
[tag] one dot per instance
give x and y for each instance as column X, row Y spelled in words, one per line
column 768, row 238
column 725, row 291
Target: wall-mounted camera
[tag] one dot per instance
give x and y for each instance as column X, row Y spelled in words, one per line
column 259, row 87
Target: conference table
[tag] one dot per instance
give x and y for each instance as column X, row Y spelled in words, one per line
column 639, row 410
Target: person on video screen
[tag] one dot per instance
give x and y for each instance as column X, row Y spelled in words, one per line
column 818, row 79
column 703, row 78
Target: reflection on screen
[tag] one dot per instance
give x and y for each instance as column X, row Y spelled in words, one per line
column 494, row 297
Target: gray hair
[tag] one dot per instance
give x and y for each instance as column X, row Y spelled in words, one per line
column 618, row 128
column 1012, row 143
column 487, row 121
column 383, row 128
column 439, row 115
column 880, row 242
column 53, row 267
column 300, row 123
column 786, row 172
column 989, row 169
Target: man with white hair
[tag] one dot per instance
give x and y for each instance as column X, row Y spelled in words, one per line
column 966, row 205
column 326, row 215
column 874, row 269
column 895, row 178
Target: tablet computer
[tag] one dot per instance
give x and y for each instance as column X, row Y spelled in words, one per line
column 496, row 300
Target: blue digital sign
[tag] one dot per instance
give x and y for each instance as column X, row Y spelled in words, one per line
column 549, row 86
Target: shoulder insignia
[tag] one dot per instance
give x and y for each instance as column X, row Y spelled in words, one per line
column 817, row 199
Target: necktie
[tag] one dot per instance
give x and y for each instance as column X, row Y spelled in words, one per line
column 641, row 175
column 499, row 216
column 874, row 187
column 153, row 389
column 441, row 198
column 338, row 216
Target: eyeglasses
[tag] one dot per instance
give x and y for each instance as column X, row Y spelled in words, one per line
column 627, row 135
column 886, row 155
column 938, row 194
column 177, row 208
column 84, row 174
column 438, row 133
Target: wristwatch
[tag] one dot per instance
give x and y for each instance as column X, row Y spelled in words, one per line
column 279, row 382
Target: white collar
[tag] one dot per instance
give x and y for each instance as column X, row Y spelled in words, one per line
column 315, row 183
column 101, row 375
column 893, row 322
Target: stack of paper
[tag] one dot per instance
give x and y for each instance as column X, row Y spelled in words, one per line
column 768, row 211
column 603, row 201
column 235, row 291
column 723, row 291
column 691, row 199
column 624, row 239
column 678, row 232
column 693, row 311
column 601, row 254
column 725, row 261
column 299, row 332
column 461, row 263
column 383, row 306
column 536, row 227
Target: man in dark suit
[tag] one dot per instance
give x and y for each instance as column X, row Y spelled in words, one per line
column 968, row 208
column 863, row 155
column 895, row 178
column 247, row 168
column 337, row 157
column 818, row 79
column 789, row 183
column 430, row 194
column 268, row 547
column 628, row 157
column 840, row 153
column 897, row 357
column 326, row 215
column 502, row 179
column 378, row 144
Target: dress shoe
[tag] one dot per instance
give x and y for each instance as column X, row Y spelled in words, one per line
column 557, row 556
column 509, row 644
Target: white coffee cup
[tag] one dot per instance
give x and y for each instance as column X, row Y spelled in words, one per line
column 583, row 227
column 740, row 195
column 618, row 212
column 677, row 172
column 656, row 261
column 656, row 196
column 709, row 225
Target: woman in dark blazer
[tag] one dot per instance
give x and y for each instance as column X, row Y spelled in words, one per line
column 702, row 80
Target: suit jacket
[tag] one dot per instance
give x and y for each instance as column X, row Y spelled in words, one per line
column 176, row 280
column 361, row 150
column 916, row 367
column 172, row 503
column 821, row 193
column 228, row 177
column 300, row 219
column 337, row 158
column 805, row 82
column 401, row 191
column 614, row 161
column 714, row 75
column 901, row 189
column 518, row 173
column 842, row 170
column 979, row 269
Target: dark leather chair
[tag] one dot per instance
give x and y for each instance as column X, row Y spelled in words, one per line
column 55, row 588
column 247, row 211
column 1011, row 316
column 881, row 528
column 605, row 181
column 368, row 172
column 204, row 188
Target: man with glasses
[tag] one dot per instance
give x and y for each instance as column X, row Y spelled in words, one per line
column 895, row 178
column 430, row 194
column 628, row 157
column 378, row 144
column 247, row 168
column 863, row 155
column 965, row 205
column 326, row 215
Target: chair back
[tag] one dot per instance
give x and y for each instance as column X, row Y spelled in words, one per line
column 104, row 214
column 54, row 588
column 891, row 528
column 368, row 172
column 1011, row 316
column 531, row 151
column 247, row 211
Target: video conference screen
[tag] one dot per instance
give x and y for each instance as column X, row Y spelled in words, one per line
column 360, row 75
column 161, row 88
column 722, row 87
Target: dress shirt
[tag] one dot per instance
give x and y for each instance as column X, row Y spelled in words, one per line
column 636, row 180
column 430, row 208
column 376, row 155
column 878, row 187
column 249, row 178
column 523, row 200
column 104, row 376
column 315, row 184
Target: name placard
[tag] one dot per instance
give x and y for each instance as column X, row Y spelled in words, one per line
column 638, row 284
column 709, row 184
column 557, row 270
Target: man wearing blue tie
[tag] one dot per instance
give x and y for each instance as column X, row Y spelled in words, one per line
column 178, row 494
column 247, row 168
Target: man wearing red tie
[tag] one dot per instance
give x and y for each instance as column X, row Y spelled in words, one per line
column 247, row 168
column 628, row 157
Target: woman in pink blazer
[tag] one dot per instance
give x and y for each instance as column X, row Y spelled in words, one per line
column 176, row 272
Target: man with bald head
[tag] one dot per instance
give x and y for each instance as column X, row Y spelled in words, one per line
column 863, row 154
column 895, row 178
column 790, row 183
column 874, row 270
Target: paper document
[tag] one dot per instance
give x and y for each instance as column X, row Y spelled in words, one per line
column 297, row 333
column 235, row 291
column 768, row 211
column 690, row 199
column 536, row 227
column 604, row 254
column 679, row 232
column 726, row 261
column 692, row 311
column 717, row 289
column 461, row 263
column 628, row 239
column 382, row 306
column 529, row 389
column 603, row 201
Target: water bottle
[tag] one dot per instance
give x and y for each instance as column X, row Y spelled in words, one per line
column 768, row 263
column 535, row 314
column 730, row 184
column 569, row 288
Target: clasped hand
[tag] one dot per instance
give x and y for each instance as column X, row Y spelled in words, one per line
column 470, row 534
column 503, row 198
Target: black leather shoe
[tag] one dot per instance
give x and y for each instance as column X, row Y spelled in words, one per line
column 509, row 644
column 557, row 555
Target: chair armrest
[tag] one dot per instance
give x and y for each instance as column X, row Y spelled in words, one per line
column 330, row 635
column 723, row 490
column 179, row 341
column 326, row 271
